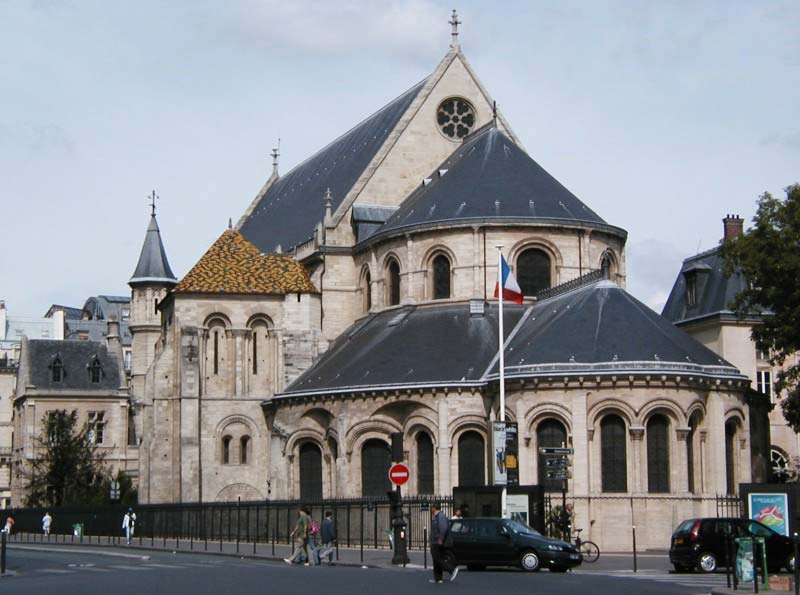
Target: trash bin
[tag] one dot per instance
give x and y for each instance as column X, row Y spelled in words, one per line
column 77, row 530
column 744, row 559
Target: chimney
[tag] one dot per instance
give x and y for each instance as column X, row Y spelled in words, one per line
column 59, row 324
column 112, row 336
column 733, row 226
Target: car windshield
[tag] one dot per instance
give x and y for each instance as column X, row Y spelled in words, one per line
column 520, row 529
column 684, row 527
column 760, row 530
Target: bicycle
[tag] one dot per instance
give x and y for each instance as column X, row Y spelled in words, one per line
column 588, row 548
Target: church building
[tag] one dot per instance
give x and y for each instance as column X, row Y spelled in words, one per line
column 354, row 299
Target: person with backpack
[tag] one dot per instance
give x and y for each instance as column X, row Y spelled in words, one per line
column 440, row 526
column 313, row 537
column 328, row 535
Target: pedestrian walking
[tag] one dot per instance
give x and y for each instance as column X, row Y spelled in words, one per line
column 46, row 521
column 328, row 537
column 9, row 524
column 440, row 526
column 313, row 537
column 129, row 524
column 300, row 534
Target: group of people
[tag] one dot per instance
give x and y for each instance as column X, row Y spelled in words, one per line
column 313, row 543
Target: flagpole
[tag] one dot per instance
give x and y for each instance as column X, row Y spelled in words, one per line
column 503, row 498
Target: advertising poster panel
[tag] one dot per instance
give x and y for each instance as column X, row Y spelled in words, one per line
column 518, row 508
column 499, row 450
column 512, row 454
column 770, row 509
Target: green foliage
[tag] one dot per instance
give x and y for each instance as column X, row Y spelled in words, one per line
column 68, row 469
column 769, row 257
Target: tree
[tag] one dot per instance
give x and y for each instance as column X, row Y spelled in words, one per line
column 67, row 468
column 769, row 257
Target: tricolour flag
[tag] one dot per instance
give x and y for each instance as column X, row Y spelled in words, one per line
column 506, row 280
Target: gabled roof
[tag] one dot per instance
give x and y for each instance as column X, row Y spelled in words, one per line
column 403, row 347
column 596, row 329
column 490, row 178
column 233, row 265
column 75, row 357
column 153, row 266
column 714, row 291
column 600, row 329
column 289, row 208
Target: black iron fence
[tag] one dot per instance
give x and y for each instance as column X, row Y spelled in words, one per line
column 359, row 522
column 729, row 505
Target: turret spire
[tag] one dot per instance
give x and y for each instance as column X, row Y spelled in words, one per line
column 153, row 267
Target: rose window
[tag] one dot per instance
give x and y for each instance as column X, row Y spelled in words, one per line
column 456, row 118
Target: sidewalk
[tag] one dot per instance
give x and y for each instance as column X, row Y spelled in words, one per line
column 345, row 556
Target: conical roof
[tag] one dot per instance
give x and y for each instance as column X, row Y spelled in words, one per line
column 491, row 179
column 234, row 265
column 153, row 266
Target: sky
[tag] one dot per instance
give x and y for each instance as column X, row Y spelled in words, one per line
column 663, row 117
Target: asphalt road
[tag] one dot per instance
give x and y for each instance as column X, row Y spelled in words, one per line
column 83, row 570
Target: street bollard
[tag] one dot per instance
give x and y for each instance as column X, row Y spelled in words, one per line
column 634, row 547
column 756, row 558
column 362, row 533
column 425, row 548
column 274, row 537
column 796, row 567
column 729, row 558
column 2, row 552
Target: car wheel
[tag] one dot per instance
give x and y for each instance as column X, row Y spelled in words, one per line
column 682, row 568
column 707, row 562
column 529, row 561
column 475, row 567
column 790, row 563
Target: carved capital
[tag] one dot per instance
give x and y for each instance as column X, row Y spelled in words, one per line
column 636, row 432
column 682, row 433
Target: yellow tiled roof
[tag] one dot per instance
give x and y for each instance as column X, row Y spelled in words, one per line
column 234, row 265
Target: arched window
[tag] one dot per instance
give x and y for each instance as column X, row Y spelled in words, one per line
column 690, row 438
column 367, row 292
column 424, row 464
column 533, row 271
column 259, row 342
column 613, row 454
column 376, row 458
column 441, row 277
column 216, row 339
column 658, row 454
column 226, row 450
column 310, row 472
column 779, row 465
column 471, row 459
column 244, row 447
column 549, row 432
column 730, row 455
column 605, row 265
column 393, row 274
column 57, row 370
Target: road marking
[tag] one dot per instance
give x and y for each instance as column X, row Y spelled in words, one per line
column 686, row 580
column 77, row 549
column 157, row 565
column 56, row 571
column 96, row 569
column 121, row 567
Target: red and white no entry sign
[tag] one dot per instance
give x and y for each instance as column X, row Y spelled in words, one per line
column 399, row 474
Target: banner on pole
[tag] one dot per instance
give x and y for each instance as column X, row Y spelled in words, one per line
column 505, row 445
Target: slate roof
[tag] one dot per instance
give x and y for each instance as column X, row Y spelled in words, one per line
column 412, row 346
column 597, row 329
column 70, row 312
column 235, row 266
column 97, row 330
column 153, row 266
column 290, row 208
column 105, row 307
column 367, row 219
column 714, row 291
column 75, row 356
column 490, row 178
column 600, row 329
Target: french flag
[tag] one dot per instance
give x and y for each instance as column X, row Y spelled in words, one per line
column 506, row 280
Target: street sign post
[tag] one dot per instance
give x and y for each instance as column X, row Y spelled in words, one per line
column 399, row 474
column 554, row 450
column 556, row 463
column 557, row 474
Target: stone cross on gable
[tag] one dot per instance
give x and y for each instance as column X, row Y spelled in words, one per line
column 275, row 154
column 153, row 198
column 454, row 33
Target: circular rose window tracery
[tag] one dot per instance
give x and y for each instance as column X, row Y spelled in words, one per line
column 456, row 117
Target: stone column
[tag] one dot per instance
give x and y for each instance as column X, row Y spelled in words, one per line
column 239, row 360
column 581, row 465
column 525, row 457
column 678, row 463
column 477, row 279
column 445, row 486
column 636, row 481
column 410, row 268
column 715, row 463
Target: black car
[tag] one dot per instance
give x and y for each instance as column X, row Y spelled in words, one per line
column 702, row 544
column 482, row 542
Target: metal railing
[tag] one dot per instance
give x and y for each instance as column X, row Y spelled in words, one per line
column 359, row 521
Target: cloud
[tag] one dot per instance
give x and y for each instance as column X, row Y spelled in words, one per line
column 652, row 266
column 313, row 26
column 789, row 140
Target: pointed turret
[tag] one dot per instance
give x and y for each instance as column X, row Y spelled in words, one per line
column 153, row 267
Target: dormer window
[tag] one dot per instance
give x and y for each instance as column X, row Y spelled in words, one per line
column 691, row 290
column 95, row 370
column 57, row 370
